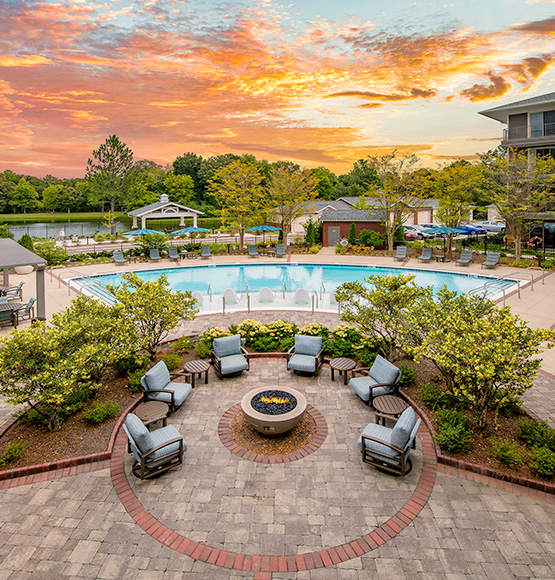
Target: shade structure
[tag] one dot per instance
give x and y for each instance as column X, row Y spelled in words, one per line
column 263, row 228
column 142, row 232
column 190, row 230
column 444, row 230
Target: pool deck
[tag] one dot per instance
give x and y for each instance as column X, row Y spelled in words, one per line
column 324, row 516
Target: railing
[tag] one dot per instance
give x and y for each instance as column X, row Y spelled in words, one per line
column 496, row 284
column 85, row 283
column 514, row 133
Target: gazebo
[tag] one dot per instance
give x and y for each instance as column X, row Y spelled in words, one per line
column 163, row 209
column 13, row 255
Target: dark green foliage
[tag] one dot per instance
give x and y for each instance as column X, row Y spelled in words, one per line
column 371, row 239
column 507, row 452
column 309, row 236
column 203, row 349
column 367, row 357
column 543, row 462
column 101, row 412
column 135, row 380
column 264, row 343
column 130, row 364
column 318, row 232
column 435, row 397
column 12, row 452
column 454, row 435
column 172, row 361
column 26, row 241
column 352, row 239
column 536, row 433
column 343, row 341
column 286, row 343
column 408, row 375
column 182, row 345
column 5, row 232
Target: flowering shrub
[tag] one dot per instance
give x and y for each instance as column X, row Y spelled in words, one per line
column 208, row 336
column 314, row 329
column 344, row 340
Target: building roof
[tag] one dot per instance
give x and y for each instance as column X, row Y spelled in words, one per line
column 351, row 215
column 417, row 202
column 532, row 105
column 12, row 254
column 163, row 206
column 320, row 205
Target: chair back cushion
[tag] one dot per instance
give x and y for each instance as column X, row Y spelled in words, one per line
column 140, row 434
column 383, row 371
column 158, row 377
column 227, row 346
column 310, row 345
column 403, row 428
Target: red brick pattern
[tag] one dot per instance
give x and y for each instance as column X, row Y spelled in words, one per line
column 231, row 445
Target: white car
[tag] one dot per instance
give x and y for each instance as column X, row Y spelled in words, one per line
column 423, row 228
column 491, row 226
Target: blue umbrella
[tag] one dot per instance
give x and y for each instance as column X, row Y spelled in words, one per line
column 442, row 230
column 190, row 230
column 142, row 232
column 263, row 228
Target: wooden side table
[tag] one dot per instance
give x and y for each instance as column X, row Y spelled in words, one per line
column 152, row 411
column 342, row 366
column 388, row 407
column 197, row 367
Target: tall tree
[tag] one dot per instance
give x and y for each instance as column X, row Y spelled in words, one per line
column 190, row 164
column 521, row 186
column 24, row 196
column 290, row 193
column 237, row 188
column 325, row 182
column 110, row 169
column 362, row 176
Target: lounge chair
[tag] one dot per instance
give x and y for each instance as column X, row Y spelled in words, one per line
column 387, row 448
column 301, row 296
column 426, row 255
column 155, row 452
column 15, row 292
column 158, row 386
column 154, row 254
column 27, row 312
column 230, row 296
column 228, row 356
column 382, row 379
column 466, row 257
column 199, row 298
column 119, row 258
column 280, row 251
column 205, row 252
column 265, row 295
column 173, row 254
column 306, row 356
column 253, row 251
column 401, row 253
column 492, row 259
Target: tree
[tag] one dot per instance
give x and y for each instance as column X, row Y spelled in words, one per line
column 380, row 312
column 179, row 188
column 237, row 187
column 352, row 239
column 24, row 196
column 520, row 187
column 357, row 182
column 290, row 193
column 110, row 169
column 309, row 235
column 153, row 308
column 190, row 164
column 395, row 195
column 325, row 182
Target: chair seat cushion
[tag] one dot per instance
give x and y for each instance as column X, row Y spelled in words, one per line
column 161, row 436
column 361, row 386
column 302, row 362
column 382, row 433
column 180, row 392
column 158, row 376
column 234, row 364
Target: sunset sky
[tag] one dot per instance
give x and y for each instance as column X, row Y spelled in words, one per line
column 311, row 81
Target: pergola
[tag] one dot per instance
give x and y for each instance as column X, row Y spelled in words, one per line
column 163, row 209
column 13, row 255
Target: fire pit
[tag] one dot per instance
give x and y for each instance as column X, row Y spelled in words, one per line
column 273, row 411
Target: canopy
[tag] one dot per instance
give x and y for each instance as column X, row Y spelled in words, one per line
column 190, row 230
column 263, row 228
column 445, row 230
column 142, row 232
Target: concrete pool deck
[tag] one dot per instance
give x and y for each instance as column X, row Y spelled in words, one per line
column 303, row 520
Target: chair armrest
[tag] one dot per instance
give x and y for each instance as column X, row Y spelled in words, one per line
column 171, row 393
column 245, row 353
column 290, row 353
column 381, row 442
column 162, row 445
column 394, row 385
column 361, row 370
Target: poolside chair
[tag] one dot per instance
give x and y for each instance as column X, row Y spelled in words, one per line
column 492, row 259
column 158, row 386
column 27, row 312
column 301, row 296
column 228, row 356
column 253, row 251
column 382, row 379
column 401, row 253
column 388, row 449
column 306, row 356
column 205, row 252
column 280, row 251
column 230, row 296
column 154, row 254
column 265, row 295
column 198, row 297
column 15, row 292
column 466, row 257
column 154, row 451
column 119, row 258
column 8, row 317
column 426, row 255
column 173, row 254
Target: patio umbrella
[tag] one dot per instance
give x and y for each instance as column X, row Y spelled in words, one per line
column 445, row 230
column 190, row 230
column 141, row 232
column 263, row 228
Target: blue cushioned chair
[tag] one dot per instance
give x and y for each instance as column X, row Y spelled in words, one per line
column 154, row 254
column 383, row 379
column 280, row 251
column 388, row 448
column 253, row 251
column 228, row 356
column 119, row 258
column 306, row 356
column 158, row 386
column 15, row 292
column 155, row 452
column 205, row 252
column 173, row 254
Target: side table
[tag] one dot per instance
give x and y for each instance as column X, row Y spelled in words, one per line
column 388, row 407
column 342, row 366
column 197, row 367
column 151, row 411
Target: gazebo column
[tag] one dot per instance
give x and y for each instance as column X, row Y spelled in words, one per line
column 41, row 292
column 143, row 222
column 6, row 277
column 134, row 226
column 181, row 221
column 195, row 220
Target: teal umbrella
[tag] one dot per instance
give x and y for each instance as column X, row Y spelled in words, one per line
column 263, row 228
column 443, row 230
column 190, row 230
column 141, row 232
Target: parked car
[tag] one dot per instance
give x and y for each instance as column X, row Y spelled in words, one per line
column 424, row 227
column 491, row 226
column 411, row 233
column 473, row 229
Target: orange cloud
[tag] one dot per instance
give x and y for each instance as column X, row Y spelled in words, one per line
column 498, row 87
column 30, row 60
column 546, row 26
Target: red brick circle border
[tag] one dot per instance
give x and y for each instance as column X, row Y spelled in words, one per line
column 229, row 443
column 263, row 566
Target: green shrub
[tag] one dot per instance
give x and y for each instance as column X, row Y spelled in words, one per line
column 507, row 452
column 265, row 343
column 130, row 364
column 454, row 435
column 172, row 361
column 12, row 452
column 314, row 249
column 135, row 380
column 543, row 462
column 209, row 335
column 367, row 357
column 182, row 345
column 26, row 241
column 434, row 396
column 101, row 412
column 352, row 239
column 203, row 349
column 371, row 239
column 314, row 329
column 344, row 340
column 286, row 343
column 99, row 237
column 408, row 375
column 536, row 433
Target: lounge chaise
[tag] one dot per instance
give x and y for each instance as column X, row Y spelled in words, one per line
column 492, row 259
column 119, row 258
column 253, row 251
column 205, row 252
column 382, row 379
column 466, row 257
column 154, row 254
column 426, row 255
column 280, row 251
column 401, row 253
column 173, row 254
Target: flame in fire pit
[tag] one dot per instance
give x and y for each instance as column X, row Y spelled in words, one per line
column 274, row 400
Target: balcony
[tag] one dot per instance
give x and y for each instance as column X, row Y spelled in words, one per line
column 528, row 136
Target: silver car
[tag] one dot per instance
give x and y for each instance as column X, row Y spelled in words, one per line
column 491, row 226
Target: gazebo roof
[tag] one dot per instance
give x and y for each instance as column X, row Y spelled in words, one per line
column 163, row 206
column 12, row 254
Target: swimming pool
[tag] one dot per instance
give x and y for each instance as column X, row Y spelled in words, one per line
column 246, row 280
